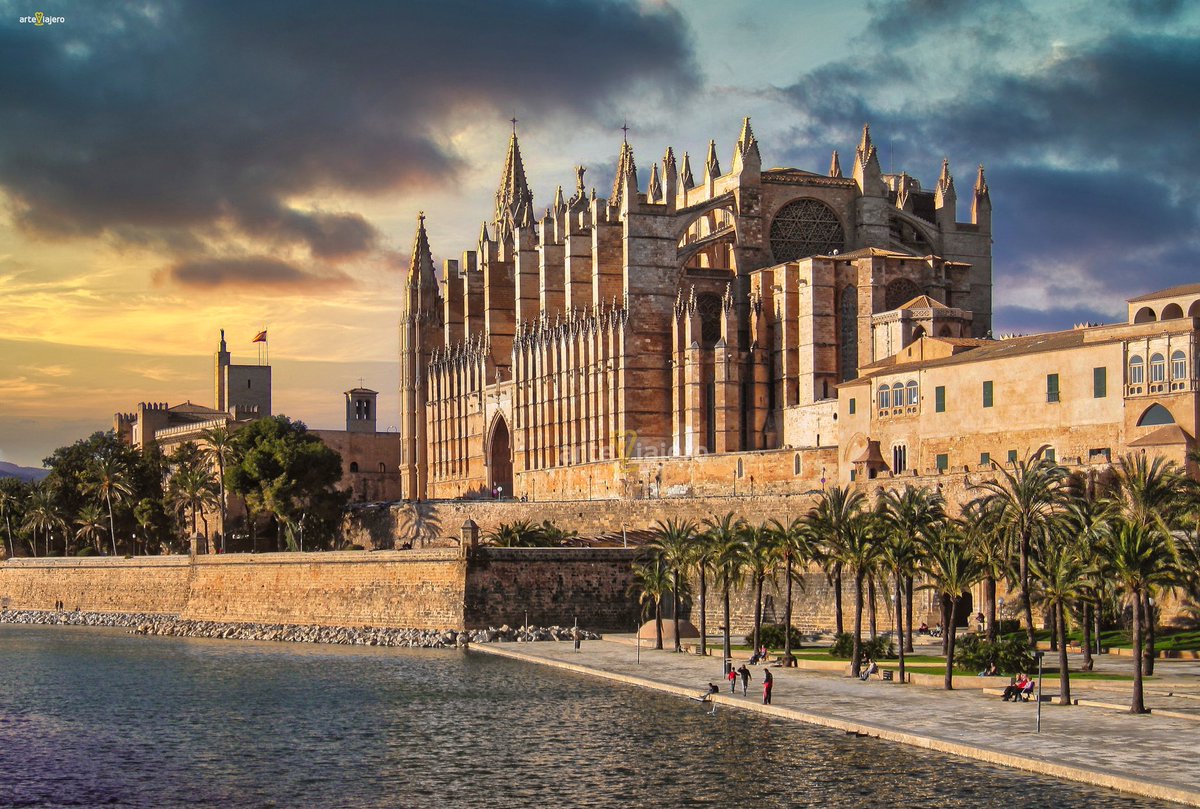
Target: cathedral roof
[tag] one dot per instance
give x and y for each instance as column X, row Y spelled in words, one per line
column 923, row 302
column 876, row 252
column 1169, row 292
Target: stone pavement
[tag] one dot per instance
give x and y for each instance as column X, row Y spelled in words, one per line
column 1149, row 755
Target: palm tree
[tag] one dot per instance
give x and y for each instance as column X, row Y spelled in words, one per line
column 653, row 583
column 673, row 544
column 910, row 511
column 1062, row 575
column 831, row 517
column 520, row 534
column 192, row 488
column 761, row 555
column 1150, row 492
column 701, row 560
column 729, row 563
column 1087, row 521
column 1029, row 499
column 900, row 554
column 1140, row 556
column 220, row 451
column 989, row 542
column 796, row 546
column 10, row 501
column 952, row 570
column 41, row 514
column 108, row 479
column 858, row 549
column 90, row 524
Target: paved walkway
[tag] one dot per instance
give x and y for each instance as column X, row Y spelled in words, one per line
column 1149, row 755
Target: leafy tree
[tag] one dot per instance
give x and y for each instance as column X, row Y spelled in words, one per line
column 220, row 450
column 90, row 525
column 108, row 479
column 1140, row 556
column 288, row 473
column 12, row 499
column 521, row 534
column 42, row 514
column 653, row 582
column 193, row 489
column 673, row 544
column 1028, row 499
column 153, row 521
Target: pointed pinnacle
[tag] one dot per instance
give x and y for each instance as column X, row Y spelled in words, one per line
column 835, row 165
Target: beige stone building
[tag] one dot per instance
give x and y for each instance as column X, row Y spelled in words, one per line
column 684, row 338
column 949, row 407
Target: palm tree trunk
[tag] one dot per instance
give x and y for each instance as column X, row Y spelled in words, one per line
column 658, row 623
column 949, row 635
column 1026, row 602
column 224, row 509
column 1086, row 624
column 900, row 622
column 908, row 612
column 675, row 609
column 1138, row 705
column 989, row 594
column 948, row 609
column 112, row 526
column 725, row 650
column 856, row 649
column 839, row 627
column 1151, row 623
column 8, row 525
column 1053, row 616
column 787, row 613
column 703, row 612
column 758, row 588
column 872, row 617
column 1064, row 673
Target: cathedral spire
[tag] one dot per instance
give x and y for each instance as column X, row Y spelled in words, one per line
column 686, row 180
column 712, row 169
column 945, row 200
column 420, row 268
column 514, row 200
column 745, row 152
column 670, row 176
column 867, row 172
column 560, row 204
column 835, row 165
column 981, row 205
column 626, row 172
column 654, row 188
column 945, row 180
column 981, row 186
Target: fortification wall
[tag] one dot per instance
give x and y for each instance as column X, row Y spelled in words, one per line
column 403, row 589
column 153, row 584
column 556, row 586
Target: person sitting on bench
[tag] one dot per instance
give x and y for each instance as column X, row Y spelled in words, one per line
column 1018, row 687
column 869, row 667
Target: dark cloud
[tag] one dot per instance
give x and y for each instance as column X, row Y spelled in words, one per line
column 1023, row 320
column 258, row 272
column 204, row 116
column 1090, row 148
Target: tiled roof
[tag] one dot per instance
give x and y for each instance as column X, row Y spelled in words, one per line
column 1169, row 292
column 923, row 302
column 1163, row 436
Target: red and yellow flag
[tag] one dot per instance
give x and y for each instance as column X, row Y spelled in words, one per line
column 261, row 337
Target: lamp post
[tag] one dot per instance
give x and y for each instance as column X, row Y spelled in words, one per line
column 1040, row 655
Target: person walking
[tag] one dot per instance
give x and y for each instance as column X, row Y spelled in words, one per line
column 745, row 672
column 732, row 677
column 767, row 683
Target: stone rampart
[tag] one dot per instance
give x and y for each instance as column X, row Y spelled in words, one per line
column 147, row 584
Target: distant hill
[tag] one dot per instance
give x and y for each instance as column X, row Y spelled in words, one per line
column 25, row 473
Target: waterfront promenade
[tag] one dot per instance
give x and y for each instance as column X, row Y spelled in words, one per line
column 1151, row 755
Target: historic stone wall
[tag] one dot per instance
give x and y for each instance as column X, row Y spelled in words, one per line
column 555, row 585
column 404, row 589
column 144, row 584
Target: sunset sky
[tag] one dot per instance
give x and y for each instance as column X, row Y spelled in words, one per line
column 168, row 169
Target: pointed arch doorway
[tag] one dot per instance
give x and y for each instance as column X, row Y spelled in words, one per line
column 500, row 461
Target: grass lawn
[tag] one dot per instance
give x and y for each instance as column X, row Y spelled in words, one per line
column 1165, row 640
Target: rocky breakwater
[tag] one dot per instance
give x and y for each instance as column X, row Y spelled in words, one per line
column 171, row 625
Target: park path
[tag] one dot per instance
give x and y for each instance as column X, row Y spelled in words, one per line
column 1148, row 755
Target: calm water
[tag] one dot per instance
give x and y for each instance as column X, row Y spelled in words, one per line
column 94, row 717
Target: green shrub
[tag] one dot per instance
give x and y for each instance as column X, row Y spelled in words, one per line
column 880, row 648
column 771, row 636
column 86, row 550
column 1011, row 655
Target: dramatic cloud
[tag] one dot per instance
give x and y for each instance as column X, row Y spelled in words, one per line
column 1086, row 126
column 183, row 124
column 257, row 272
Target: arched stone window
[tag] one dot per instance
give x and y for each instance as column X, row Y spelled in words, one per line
column 848, row 350
column 911, row 390
column 900, row 292
column 805, row 227
column 708, row 306
column 354, row 466
column 1137, row 370
column 382, row 467
column 1171, row 311
column 1194, row 309
column 898, row 394
column 1156, row 415
column 1158, row 368
column 885, row 397
column 899, row 459
column 1145, row 315
column 1178, row 365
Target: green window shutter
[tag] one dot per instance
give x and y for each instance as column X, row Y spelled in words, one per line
column 1050, row 456
column 1099, row 383
column 1012, row 456
column 943, row 462
column 852, row 404
column 939, row 399
column 987, row 394
column 1051, row 387
column 985, row 458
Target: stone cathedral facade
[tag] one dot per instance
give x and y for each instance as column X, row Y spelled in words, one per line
column 687, row 337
